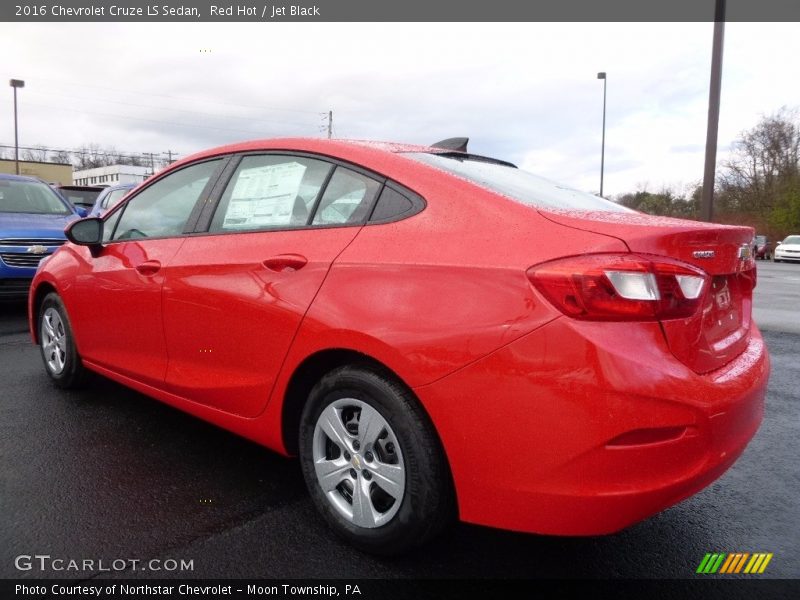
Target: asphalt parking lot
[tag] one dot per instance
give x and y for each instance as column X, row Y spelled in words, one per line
column 106, row 473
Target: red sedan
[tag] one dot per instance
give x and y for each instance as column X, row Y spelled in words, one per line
column 434, row 333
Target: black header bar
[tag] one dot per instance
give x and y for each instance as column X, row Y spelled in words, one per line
column 395, row 10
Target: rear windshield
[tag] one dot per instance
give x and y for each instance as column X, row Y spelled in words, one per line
column 32, row 197
column 82, row 197
column 517, row 184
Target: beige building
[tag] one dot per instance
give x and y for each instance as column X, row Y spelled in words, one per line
column 46, row 171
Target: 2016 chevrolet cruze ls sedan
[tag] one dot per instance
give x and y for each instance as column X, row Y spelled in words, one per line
column 434, row 333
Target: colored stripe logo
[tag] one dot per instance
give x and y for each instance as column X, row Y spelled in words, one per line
column 734, row 562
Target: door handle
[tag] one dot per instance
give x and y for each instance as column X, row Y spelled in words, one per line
column 149, row 267
column 285, row 263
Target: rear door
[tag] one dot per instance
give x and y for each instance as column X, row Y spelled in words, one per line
column 235, row 295
column 120, row 315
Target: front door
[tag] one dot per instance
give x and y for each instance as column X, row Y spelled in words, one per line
column 121, row 318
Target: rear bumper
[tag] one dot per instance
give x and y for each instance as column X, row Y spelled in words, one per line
column 546, row 434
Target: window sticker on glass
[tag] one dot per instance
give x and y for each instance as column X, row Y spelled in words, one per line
column 264, row 196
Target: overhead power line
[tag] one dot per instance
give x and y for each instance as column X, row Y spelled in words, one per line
column 171, row 109
column 158, row 121
column 93, row 152
column 128, row 91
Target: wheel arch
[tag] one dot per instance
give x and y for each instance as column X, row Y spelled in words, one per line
column 39, row 294
column 311, row 370
column 306, row 375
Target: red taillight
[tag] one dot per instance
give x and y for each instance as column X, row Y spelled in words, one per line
column 621, row 287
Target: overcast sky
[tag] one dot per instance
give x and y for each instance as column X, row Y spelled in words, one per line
column 525, row 92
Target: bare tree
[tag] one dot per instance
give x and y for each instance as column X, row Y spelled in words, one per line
column 35, row 154
column 61, row 156
column 89, row 157
column 763, row 162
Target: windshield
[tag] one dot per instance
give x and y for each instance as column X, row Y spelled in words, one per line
column 33, row 197
column 792, row 239
column 761, row 239
column 517, row 184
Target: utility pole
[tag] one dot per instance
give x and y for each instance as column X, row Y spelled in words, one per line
column 169, row 154
column 152, row 168
column 17, row 83
column 330, row 123
column 714, row 91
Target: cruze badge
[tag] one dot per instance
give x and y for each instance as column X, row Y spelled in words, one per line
column 37, row 249
column 704, row 254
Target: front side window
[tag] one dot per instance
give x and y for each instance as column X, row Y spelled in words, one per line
column 347, row 198
column 163, row 208
column 270, row 192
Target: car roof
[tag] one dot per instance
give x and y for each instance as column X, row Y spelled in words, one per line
column 11, row 177
column 334, row 147
column 119, row 186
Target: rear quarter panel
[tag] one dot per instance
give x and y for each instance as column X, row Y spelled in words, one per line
column 433, row 293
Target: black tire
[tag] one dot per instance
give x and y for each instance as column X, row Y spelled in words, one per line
column 72, row 374
column 427, row 504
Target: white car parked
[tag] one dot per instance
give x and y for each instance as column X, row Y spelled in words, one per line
column 788, row 249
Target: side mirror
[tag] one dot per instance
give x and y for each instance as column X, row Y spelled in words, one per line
column 778, row 243
column 86, row 232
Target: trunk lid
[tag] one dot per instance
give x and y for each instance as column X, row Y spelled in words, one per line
column 720, row 330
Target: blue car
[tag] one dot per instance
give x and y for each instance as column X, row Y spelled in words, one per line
column 32, row 222
column 109, row 197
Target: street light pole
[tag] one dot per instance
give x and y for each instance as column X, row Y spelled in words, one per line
column 602, row 76
column 16, row 83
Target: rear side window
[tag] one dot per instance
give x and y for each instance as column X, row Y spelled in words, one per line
column 517, row 184
column 347, row 198
column 270, row 192
column 391, row 205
